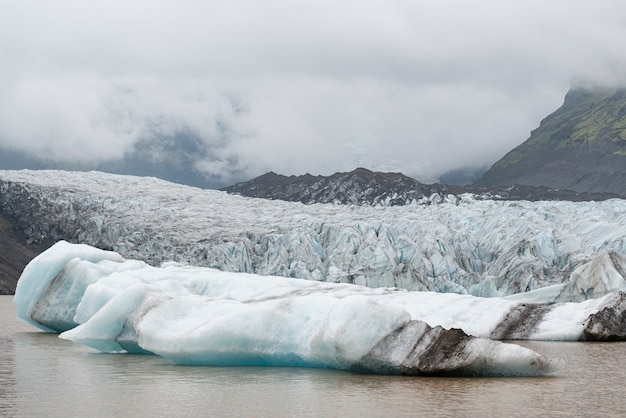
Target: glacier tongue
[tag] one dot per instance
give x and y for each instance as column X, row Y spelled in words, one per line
column 484, row 248
column 193, row 315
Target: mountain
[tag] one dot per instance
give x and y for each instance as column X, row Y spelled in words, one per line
column 360, row 186
column 463, row 245
column 365, row 187
column 581, row 147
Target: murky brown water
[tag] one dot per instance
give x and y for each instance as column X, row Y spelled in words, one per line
column 42, row 375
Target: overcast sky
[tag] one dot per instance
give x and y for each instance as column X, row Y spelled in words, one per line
column 417, row 86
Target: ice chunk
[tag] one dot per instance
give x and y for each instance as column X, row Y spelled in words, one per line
column 108, row 329
column 607, row 324
column 192, row 315
column 39, row 274
column 601, row 276
column 417, row 349
column 83, row 288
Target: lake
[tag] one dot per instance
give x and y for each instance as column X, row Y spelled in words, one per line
column 42, row 375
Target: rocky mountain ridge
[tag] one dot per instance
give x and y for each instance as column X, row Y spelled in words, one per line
column 365, row 187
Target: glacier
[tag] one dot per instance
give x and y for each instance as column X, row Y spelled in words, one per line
column 460, row 245
column 201, row 316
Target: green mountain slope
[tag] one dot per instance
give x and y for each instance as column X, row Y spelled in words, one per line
column 581, row 146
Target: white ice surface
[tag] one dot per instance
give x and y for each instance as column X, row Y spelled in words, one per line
column 195, row 315
column 484, row 248
column 43, row 269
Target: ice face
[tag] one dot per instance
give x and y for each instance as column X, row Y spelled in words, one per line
column 484, row 248
column 194, row 315
column 33, row 292
column 58, row 299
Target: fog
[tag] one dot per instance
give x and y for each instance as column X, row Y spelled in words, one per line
column 295, row 87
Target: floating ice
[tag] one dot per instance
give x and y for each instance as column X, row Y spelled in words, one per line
column 193, row 315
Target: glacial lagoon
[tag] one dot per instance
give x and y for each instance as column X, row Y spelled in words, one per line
column 43, row 375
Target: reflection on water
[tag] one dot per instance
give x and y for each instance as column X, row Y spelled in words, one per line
column 42, row 375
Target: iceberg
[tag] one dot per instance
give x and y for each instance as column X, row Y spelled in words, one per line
column 483, row 248
column 201, row 316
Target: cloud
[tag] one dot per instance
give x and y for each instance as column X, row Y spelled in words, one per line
column 294, row 87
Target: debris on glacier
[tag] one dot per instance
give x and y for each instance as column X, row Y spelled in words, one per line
column 482, row 248
column 201, row 316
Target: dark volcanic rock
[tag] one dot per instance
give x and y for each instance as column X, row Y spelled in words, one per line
column 365, row 187
column 360, row 186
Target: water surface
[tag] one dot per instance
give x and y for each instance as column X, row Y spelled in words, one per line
column 42, row 375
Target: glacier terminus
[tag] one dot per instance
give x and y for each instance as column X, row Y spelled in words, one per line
column 204, row 277
column 461, row 245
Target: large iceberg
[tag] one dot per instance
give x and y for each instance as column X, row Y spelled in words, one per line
column 483, row 248
column 194, row 315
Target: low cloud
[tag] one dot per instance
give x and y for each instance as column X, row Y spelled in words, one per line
column 319, row 87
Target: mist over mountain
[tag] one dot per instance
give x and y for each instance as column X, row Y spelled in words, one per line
column 178, row 158
column 581, row 146
column 463, row 176
column 181, row 157
column 11, row 159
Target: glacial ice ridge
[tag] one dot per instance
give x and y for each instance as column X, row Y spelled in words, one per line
column 201, row 316
column 482, row 248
